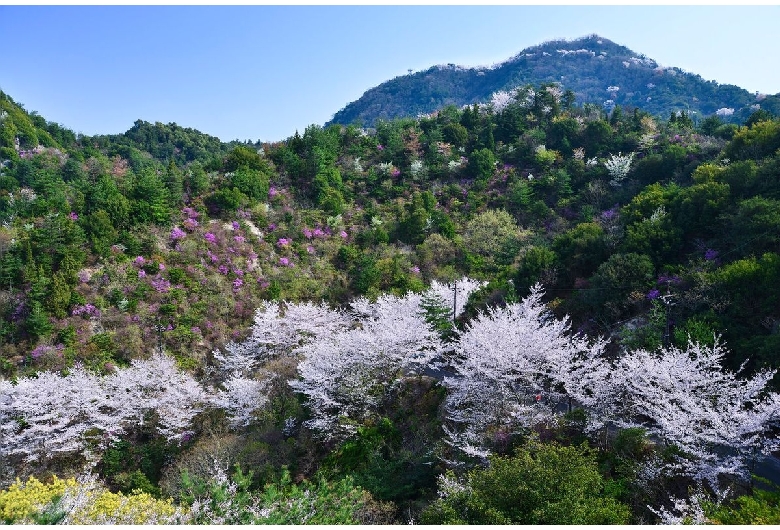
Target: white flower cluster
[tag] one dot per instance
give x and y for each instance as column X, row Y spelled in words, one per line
column 581, row 51
column 618, row 166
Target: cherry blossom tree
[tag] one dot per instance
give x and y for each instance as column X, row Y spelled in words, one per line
column 52, row 415
column 518, row 366
column 241, row 397
column 501, row 100
column 280, row 330
column 156, row 386
column 618, row 166
column 346, row 375
column 685, row 398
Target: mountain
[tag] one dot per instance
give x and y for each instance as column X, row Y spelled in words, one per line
column 596, row 69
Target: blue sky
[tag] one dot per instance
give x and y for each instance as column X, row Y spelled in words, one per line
column 261, row 72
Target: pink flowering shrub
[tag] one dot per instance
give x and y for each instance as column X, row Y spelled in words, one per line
column 87, row 310
column 177, row 233
column 161, row 285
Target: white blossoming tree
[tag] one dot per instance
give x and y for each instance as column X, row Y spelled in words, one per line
column 518, row 366
column 277, row 331
column 280, row 330
column 241, row 396
column 618, row 167
column 685, row 398
column 52, row 415
column 346, row 375
column 501, row 100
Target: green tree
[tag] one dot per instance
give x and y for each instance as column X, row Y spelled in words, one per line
column 251, row 182
column 541, row 484
column 581, row 249
column 59, row 296
column 760, row 140
column 38, row 324
column 482, row 163
column 493, row 238
column 244, row 157
column 149, row 199
column 535, row 264
column 619, row 282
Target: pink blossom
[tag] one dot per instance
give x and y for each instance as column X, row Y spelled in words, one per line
column 415, row 270
column 195, row 329
column 236, row 226
column 272, row 227
column 211, row 238
column 307, row 233
column 73, row 216
column 39, row 351
column 177, row 233
column 283, row 242
column 190, row 212
column 380, row 147
column 272, row 192
column 87, row 309
column 239, row 239
column 222, row 269
column 190, row 224
column 310, row 249
column 284, row 261
column 140, row 261
column 141, row 274
column 343, row 234
column 237, row 283
column 161, row 266
column 161, row 285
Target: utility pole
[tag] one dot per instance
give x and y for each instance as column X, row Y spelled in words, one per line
column 454, row 300
column 159, row 328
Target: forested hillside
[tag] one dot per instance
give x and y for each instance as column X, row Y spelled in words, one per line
column 392, row 324
column 595, row 69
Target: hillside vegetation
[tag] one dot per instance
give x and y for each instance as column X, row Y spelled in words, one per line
column 404, row 322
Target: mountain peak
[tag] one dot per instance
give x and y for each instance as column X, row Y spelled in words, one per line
column 596, row 69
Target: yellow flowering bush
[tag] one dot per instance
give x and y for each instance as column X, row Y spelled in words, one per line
column 88, row 502
column 104, row 507
column 21, row 501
